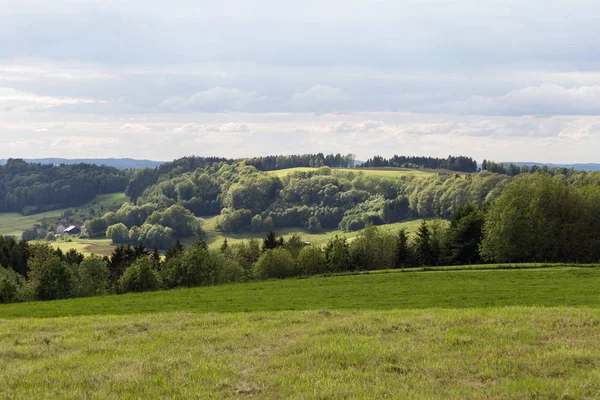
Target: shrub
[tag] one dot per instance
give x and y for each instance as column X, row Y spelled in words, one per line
column 140, row 277
column 275, row 263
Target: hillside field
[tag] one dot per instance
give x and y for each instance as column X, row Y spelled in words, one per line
column 215, row 238
column 14, row 224
column 518, row 334
column 391, row 173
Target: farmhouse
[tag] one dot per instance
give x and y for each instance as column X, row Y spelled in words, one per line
column 73, row 230
column 60, row 229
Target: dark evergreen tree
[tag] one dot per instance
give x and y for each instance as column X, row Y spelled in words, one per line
column 403, row 251
column 423, row 245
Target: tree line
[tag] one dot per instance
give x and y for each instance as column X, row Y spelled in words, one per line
column 511, row 169
column 460, row 163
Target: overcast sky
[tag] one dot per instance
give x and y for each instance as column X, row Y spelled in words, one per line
column 505, row 80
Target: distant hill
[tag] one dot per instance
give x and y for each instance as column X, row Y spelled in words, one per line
column 121, row 163
column 579, row 167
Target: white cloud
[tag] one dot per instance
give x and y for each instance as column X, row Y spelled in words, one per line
column 134, row 127
column 15, row 100
column 319, row 98
column 213, row 100
column 547, row 98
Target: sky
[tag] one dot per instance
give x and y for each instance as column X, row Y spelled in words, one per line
column 502, row 80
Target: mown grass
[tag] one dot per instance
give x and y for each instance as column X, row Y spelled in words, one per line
column 215, row 238
column 367, row 172
column 484, row 334
column 14, row 224
column 101, row 247
column 551, row 287
column 497, row 353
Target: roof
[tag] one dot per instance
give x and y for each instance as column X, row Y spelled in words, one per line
column 72, row 228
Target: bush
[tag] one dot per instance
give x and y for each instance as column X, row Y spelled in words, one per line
column 311, row 261
column 50, row 237
column 275, row 263
column 140, row 277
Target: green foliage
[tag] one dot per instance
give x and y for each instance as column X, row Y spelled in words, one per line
column 256, row 224
column 423, row 246
column 538, row 218
column 271, row 241
column 140, row 277
column 181, row 221
column 12, row 286
column 373, row 248
column 52, row 280
column 464, row 235
column 337, row 255
column 404, row 254
column 314, row 225
column 198, row 266
column 311, row 261
column 29, row 188
column 294, row 245
column 96, row 227
column 92, row 277
column 275, row 263
column 118, row 233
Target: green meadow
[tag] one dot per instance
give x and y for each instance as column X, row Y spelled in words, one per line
column 380, row 173
column 478, row 334
column 14, row 224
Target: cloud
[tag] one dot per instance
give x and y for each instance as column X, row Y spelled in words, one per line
column 544, row 99
column 319, row 98
column 15, row 100
column 134, row 127
column 230, row 127
column 213, row 100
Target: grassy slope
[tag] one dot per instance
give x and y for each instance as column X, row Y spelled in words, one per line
column 350, row 337
column 508, row 353
column 369, row 172
column 14, row 224
column 551, row 287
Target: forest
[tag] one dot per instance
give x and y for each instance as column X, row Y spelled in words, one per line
column 461, row 163
column 536, row 218
column 34, row 188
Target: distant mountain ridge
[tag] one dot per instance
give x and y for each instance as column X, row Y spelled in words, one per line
column 579, row 167
column 120, row 163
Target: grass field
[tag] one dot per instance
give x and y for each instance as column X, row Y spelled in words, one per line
column 14, row 224
column 215, row 238
column 101, row 247
column 496, row 334
column 368, row 172
column 549, row 287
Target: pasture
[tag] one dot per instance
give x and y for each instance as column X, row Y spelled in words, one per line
column 14, row 224
column 517, row 334
column 214, row 238
column 391, row 173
